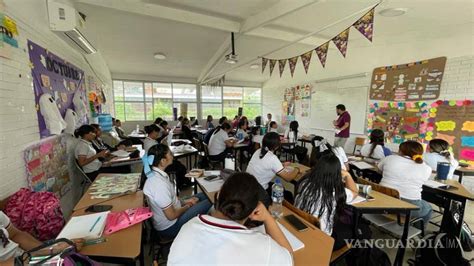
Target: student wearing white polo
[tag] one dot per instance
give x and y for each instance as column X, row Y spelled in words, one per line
column 265, row 165
column 169, row 213
column 221, row 238
column 375, row 150
column 219, row 142
column 321, row 147
column 438, row 152
column 86, row 156
column 153, row 133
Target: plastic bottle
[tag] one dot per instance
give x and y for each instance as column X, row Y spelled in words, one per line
column 277, row 199
column 229, row 162
column 138, row 129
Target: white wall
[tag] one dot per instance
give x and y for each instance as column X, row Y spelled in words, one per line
column 18, row 120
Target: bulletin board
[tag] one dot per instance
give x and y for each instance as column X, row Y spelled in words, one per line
column 296, row 101
column 399, row 120
column 46, row 165
column 453, row 121
column 418, row 81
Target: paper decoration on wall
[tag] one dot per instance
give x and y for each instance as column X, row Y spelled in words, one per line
column 341, row 41
column 8, row 34
column 72, row 120
column 292, row 64
column 453, row 121
column 53, row 75
column 46, row 165
column 281, row 65
column 306, row 101
column 52, row 118
column 401, row 121
column 288, row 105
column 272, row 65
column 364, row 25
column 408, row 82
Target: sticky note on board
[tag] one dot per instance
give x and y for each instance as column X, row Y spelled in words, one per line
column 467, row 141
column 411, row 119
column 467, row 154
column 468, row 126
column 379, row 118
column 10, row 24
column 445, row 125
column 450, row 139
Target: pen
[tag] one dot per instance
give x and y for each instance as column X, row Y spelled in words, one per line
column 96, row 221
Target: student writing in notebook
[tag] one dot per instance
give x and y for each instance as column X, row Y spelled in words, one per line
column 221, row 238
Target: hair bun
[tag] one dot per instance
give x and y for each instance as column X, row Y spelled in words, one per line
column 233, row 209
column 417, row 158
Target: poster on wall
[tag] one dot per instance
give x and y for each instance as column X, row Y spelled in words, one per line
column 288, row 106
column 306, row 101
column 8, row 34
column 58, row 86
column 453, row 121
column 418, row 81
column 400, row 121
column 46, row 167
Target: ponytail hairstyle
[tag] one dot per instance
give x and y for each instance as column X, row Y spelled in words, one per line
column 294, row 128
column 222, row 120
column 224, row 126
column 412, row 149
column 158, row 120
column 270, row 142
column 154, row 156
column 377, row 137
column 320, row 148
column 83, row 130
column 441, row 147
column 238, row 197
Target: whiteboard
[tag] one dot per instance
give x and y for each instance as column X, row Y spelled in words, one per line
column 323, row 107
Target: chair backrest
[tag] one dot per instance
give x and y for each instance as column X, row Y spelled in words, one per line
column 197, row 144
column 379, row 188
column 83, row 174
column 306, row 216
column 359, row 141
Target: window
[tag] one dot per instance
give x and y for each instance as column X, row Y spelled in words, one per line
column 211, row 101
column 232, row 100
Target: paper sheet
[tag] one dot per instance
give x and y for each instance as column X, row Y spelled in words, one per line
column 211, row 186
column 86, row 226
column 295, row 243
column 434, row 184
column 358, row 199
column 362, row 165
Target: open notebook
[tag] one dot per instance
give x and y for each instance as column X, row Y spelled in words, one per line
column 88, row 226
column 295, row 243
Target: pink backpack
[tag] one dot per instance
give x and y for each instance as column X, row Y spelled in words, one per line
column 38, row 213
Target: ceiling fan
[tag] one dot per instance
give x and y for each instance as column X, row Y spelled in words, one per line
column 232, row 57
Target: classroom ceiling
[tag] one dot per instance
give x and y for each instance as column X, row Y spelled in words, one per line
column 195, row 35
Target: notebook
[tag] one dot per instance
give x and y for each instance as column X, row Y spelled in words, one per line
column 295, row 243
column 433, row 184
column 88, row 226
column 362, row 165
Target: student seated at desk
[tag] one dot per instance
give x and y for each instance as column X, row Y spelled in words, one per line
column 291, row 133
column 323, row 192
column 86, row 156
column 219, row 142
column 98, row 143
column 273, row 127
column 242, row 130
column 264, row 165
column 221, row 238
column 209, row 124
column 169, row 213
column 153, row 133
column 407, row 173
column 187, row 133
column 210, row 132
column 13, row 242
column 375, row 149
column 438, row 152
column 180, row 119
column 321, row 147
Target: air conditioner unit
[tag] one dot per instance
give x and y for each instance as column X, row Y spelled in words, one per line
column 68, row 24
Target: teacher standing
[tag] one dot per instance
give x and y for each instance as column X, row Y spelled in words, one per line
column 342, row 126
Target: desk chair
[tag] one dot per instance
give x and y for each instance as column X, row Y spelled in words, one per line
column 359, row 142
column 369, row 174
column 86, row 181
column 336, row 255
column 213, row 163
column 391, row 223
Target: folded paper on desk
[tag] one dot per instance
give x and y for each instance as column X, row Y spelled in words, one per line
column 211, row 186
column 434, row 184
column 295, row 243
column 358, row 199
column 88, row 226
column 362, row 165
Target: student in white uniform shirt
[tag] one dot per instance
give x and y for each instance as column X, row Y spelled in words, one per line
column 265, row 165
column 273, row 127
column 407, row 173
column 219, row 142
column 291, row 134
column 242, row 129
column 86, row 156
column 153, row 133
column 13, row 242
column 221, row 238
column 169, row 212
column 438, row 152
column 376, row 150
column 323, row 192
column 321, row 147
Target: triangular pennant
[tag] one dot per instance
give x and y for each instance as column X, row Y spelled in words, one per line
column 365, row 24
column 292, row 63
column 281, row 65
column 306, row 59
column 341, row 41
column 322, row 52
column 272, row 65
column 264, row 63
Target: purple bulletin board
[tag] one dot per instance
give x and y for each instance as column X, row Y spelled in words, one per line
column 54, row 75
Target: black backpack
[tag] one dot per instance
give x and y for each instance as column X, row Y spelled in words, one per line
column 439, row 249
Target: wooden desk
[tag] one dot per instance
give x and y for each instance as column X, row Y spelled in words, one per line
column 305, row 139
column 123, row 246
column 120, row 161
column 384, row 204
column 184, row 154
column 462, row 171
column 318, row 245
column 303, row 170
column 138, row 136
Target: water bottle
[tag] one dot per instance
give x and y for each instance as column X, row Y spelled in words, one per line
column 138, row 129
column 277, row 199
column 229, row 162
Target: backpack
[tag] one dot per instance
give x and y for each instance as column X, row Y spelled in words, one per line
column 38, row 213
column 439, row 250
column 370, row 256
column 466, row 237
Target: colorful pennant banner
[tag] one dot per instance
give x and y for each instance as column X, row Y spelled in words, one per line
column 306, row 59
column 281, row 65
column 292, row 64
column 264, row 63
column 322, row 52
column 365, row 24
column 341, row 41
column 272, row 65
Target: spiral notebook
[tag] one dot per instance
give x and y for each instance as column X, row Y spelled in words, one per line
column 88, row 226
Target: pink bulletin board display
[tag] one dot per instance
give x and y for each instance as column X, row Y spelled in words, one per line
column 399, row 120
column 453, row 121
column 46, row 165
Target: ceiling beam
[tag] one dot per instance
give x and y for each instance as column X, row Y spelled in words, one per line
column 164, row 12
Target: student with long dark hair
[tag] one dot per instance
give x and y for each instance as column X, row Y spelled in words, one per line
column 376, row 149
column 324, row 191
column 209, row 124
column 185, row 128
column 210, row 132
column 407, row 173
column 438, row 152
column 291, row 133
column 321, row 147
column 169, row 212
column 153, row 133
column 219, row 142
column 98, row 143
column 273, row 127
column 220, row 235
column 86, row 156
column 265, row 165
